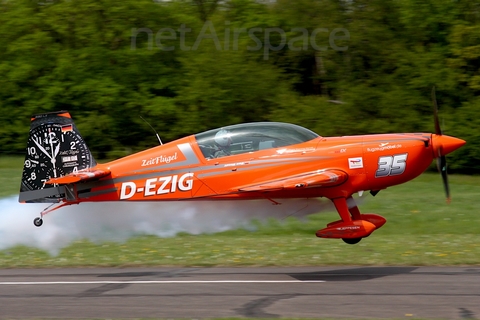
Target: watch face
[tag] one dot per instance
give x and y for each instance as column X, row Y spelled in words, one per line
column 53, row 150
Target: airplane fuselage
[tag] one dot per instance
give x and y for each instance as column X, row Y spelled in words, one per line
column 178, row 170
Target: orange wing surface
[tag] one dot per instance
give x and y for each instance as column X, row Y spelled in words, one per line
column 319, row 178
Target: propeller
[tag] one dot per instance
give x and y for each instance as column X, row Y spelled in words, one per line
column 441, row 159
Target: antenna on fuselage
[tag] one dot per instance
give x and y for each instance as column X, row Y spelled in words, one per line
column 158, row 137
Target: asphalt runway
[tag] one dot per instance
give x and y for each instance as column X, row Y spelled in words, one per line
column 333, row 292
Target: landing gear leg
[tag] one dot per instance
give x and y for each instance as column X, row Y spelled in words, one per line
column 342, row 209
column 54, row 206
column 353, row 209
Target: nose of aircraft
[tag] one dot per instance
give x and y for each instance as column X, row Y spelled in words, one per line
column 443, row 145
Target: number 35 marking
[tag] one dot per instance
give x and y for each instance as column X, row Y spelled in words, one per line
column 391, row 166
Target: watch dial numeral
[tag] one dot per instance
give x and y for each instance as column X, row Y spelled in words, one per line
column 52, row 137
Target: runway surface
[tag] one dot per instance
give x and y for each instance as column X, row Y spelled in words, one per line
column 333, row 292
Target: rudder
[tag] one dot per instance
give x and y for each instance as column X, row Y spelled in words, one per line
column 55, row 148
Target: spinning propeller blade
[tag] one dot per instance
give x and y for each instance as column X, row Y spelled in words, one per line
column 441, row 159
column 438, row 130
column 442, row 168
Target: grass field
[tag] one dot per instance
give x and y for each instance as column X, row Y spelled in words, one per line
column 421, row 230
column 10, row 175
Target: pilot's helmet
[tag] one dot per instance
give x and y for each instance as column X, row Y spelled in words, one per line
column 223, row 138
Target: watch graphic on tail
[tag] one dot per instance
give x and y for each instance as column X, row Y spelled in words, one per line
column 55, row 148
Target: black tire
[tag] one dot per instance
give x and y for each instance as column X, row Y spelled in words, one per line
column 38, row 222
column 351, row 240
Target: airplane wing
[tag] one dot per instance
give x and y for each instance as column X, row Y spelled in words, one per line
column 319, row 178
column 82, row 175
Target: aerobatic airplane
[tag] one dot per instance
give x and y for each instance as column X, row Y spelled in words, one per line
column 264, row 160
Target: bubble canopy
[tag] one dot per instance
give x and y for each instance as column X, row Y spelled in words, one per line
column 249, row 137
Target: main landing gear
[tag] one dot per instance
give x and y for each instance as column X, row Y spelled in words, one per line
column 353, row 225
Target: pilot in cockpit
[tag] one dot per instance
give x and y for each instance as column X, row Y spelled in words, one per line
column 223, row 140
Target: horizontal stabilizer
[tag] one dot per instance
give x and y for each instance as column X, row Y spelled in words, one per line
column 83, row 175
column 319, row 178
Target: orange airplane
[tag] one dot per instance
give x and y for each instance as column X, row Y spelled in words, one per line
column 264, row 160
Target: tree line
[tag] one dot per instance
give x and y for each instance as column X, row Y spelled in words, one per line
column 337, row 67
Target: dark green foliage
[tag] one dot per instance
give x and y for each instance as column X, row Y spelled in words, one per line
column 188, row 65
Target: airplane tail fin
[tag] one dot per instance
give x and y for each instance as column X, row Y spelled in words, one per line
column 55, row 148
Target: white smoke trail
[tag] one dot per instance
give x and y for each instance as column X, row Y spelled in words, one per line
column 120, row 221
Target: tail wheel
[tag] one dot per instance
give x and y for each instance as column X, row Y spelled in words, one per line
column 38, row 222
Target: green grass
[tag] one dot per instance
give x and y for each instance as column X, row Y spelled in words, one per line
column 10, row 175
column 421, row 230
